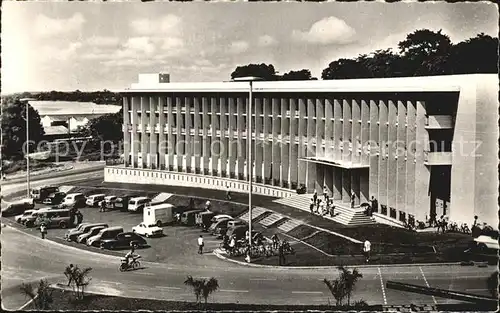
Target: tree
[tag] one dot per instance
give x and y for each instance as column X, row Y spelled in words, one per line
column 343, row 286
column 382, row 63
column 298, row 75
column 202, row 287
column 14, row 128
column 345, row 69
column 79, row 280
column 492, row 284
column 264, row 71
column 42, row 297
column 106, row 127
column 475, row 55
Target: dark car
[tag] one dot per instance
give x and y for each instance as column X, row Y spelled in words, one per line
column 18, row 207
column 220, row 228
column 121, row 203
column 188, row 218
column 93, row 231
column 123, row 240
column 237, row 231
column 55, row 198
column 73, row 234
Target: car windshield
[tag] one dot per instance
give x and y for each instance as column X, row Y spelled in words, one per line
column 151, row 225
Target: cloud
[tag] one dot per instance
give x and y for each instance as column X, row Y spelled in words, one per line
column 102, row 41
column 49, row 53
column 140, row 44
column 237, row 47
column 172, row 43
column 330, row 30
column 165, row 24
column 46, row 26
column 266, row 40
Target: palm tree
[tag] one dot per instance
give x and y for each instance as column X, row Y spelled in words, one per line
column 202, row 287
column 349, row 279
column 78, row 279
column 337, row 289
column 42, row 297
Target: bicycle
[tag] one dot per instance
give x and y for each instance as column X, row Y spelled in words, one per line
column 134, row 264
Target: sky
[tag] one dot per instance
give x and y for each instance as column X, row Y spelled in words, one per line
column 93, row 46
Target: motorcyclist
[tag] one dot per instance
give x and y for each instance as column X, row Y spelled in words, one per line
column 130, row 255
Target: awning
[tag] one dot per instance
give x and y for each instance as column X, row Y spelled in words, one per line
column 336, row 163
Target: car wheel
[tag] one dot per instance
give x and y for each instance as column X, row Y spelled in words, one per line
column 158, row 223
column 63, row 225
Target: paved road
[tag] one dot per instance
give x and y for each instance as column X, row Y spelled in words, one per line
column 27, row 258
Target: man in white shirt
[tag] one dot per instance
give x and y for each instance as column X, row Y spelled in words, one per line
column 366, row 250
column 200, row 244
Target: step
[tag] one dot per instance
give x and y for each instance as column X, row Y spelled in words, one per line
column 271, row 219
column 256, row 212
column 262, row 216
column 289, row 225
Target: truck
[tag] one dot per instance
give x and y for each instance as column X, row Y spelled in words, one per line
column 159, row 214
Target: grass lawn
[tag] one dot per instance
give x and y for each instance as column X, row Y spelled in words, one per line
column 63, row 300
column 302, row 231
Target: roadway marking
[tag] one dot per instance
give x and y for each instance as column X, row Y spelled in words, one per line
column 308, row 292
column 146, row 273
column 232, row 290
column 478, row 289
column 426, row 283
column 262, row 279
column 382, row 285
column 167, row 287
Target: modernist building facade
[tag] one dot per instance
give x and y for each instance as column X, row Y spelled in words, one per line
column 419, row 145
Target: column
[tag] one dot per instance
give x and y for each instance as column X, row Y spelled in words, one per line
column 258, row 144
column 401, row 158
column 153, row 147
column 223, row 147
column 170, row 135
column 126, row 130
column 422, row 172
column 214, row 145
column 285, row 149
column 346, row 186
column 294, row 151
column 161, row 133
column 410, row 157
column 188, row 126
column 365, row 132
column 329, row 140
column 241, row 142
column 233, row 138
column 337, row 129
column 179, row 142
column 144, row 134
column 267, row 144
column 392, row 160
column 205, row 138
column 383, row 139
column 311, row 147
column 302, row 143
column 198, row 126
column 320, row 137
column 337, row 184
column 374, row 150
column 356, row 132
column 276, row 129
column 329, row 178
column 347, row 132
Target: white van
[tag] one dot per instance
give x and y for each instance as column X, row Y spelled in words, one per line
column 74, row 199
column 138, row 203
column 93, row 200
column 159, row 214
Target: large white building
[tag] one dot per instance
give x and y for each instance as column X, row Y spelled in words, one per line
column 420, row 145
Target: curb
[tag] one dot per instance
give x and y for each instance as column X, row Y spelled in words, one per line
column 217, row 253
column 27, row 303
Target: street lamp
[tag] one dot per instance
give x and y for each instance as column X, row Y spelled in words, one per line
column 249, row 79
column 26, row 102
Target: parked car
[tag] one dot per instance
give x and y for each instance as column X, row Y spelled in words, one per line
column 235, row 223
column 203, row 218
column 218, row 223
column 93, row 200
column 92, row 232
column 106, row 233
column 55, row 198
column 109, row 202
column 188, row 217
column 485, row 243
column 123, row 240
column 19, row 217
column 237, row 231
column 137, row 204
column 72, row 234
column 147, row 230
column 40, row 193
column 18, row 207
column 121, row 203
column 76, row 200
column 219, row 217
column 220, row 228
column 53, row 218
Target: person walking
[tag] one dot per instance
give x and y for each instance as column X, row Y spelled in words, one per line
column 69, row 273
column 102, row 206
column 374, row 204
column 353, row 197
column 43, row 230
column 208, row 205
column 315, row 196
column 366, row 250
column 311, row 206
column 228, row 193
column 325, row 192
column 200, row 244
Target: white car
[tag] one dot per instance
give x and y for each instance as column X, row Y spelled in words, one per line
column 486, row 242
column 147, row 230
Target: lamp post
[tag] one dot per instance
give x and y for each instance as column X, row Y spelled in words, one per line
column 250, row 80
column 26, row 103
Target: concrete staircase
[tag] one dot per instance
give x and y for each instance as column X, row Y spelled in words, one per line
column 289, row 225
column 271, row 219
column 256, row 212
column 343, row 213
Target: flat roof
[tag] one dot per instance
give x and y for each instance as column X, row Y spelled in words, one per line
column 336, row 163
column 445, row 83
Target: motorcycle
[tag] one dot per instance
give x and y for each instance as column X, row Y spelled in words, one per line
column 134, row 264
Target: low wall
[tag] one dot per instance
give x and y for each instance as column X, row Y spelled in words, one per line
column 114, row 174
